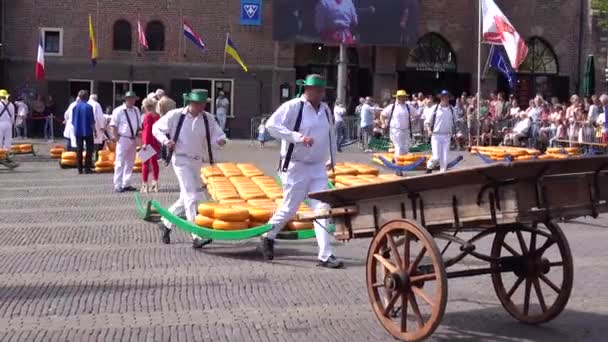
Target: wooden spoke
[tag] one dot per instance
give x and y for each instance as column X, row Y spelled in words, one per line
column 394, row 251
column 416, row 310
column 527, row 296
column 404, row 312
column 522, row 242
column 550, row 242
column 387, row 264
column 550, row 283
column 414, row 265
column 420, row 293
column 532, row 242
column 556, row 264
column 510, row 249
column 539, row 294
column 515, row 286
column 391, row 303
column 377, row 285
column 424, row 277
column 406, row 251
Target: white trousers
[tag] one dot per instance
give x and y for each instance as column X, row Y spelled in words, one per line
column 125, row 160
column 6, row 135
column 295, row 192
column 401, row 140
column 221, row 120
column 440, row 145
column 188, row 172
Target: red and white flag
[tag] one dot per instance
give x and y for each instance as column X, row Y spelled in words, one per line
column 497, row 29
column 40, row 59
column 142, row 35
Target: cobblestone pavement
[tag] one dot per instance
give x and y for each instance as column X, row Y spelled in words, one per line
column 76, row 264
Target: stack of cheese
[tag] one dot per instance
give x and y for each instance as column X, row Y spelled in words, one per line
column 249, row 170
column 3, row 154
column 222, row 217
column 56, row 151
column 349, row 180
column 229, row 170
column 137, row 165
column 105, row 161
column 246, row 188
column 298, row 225
column 68, row 159
column 22, row 149
column 220, row 189
column 210, row 172
column 499, row 153
column 561, row 153
column 269, row 186
column 403, row 160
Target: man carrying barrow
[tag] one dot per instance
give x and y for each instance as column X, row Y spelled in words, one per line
column 193, row 133
column 308, row 141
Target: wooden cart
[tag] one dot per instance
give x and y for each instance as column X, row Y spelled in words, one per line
column 516, row 205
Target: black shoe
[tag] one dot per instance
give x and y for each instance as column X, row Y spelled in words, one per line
column 121, row 190
column 88, row 172
column 266, row 247
column 429, row 171
column 331, row 262
column 129, row 188
column 166, row 233
column 80, row 172
column 200, row 243
column 399, row 173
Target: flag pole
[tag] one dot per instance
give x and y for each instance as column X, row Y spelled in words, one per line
column 479, row 34
column 225, row 44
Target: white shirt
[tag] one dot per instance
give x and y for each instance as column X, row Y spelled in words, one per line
column 9, row 113
column 221, row 106
column 192, row 140
column 593, row 114
column 522, row 126
column 427, row 112
column 402, row 115
column 314, row 124
column 119, row 120
column 444, row 119
column 339, row 113
column 601, row 119
column 100, row 121
column 67, row 117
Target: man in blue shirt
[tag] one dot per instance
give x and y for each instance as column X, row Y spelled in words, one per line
column 83, row 122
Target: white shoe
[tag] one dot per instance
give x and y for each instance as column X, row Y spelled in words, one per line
column 144, row 188
column 154, row 186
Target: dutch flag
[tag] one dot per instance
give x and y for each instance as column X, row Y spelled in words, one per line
column 195, row 38
column 40, row 59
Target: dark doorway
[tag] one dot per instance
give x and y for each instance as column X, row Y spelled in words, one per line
column 429, row 82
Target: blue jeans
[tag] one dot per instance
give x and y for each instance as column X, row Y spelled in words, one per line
column 340, row 134
column 48, row 128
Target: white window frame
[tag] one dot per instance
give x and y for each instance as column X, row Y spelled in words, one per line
column 44, row 30
column 147, row 83
column 212, row 95
column 83, row 80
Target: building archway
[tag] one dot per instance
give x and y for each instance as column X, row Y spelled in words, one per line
column 538, row 74
column 122, row 36
column 432, row 66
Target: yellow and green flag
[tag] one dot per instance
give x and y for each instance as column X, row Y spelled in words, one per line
column 92, row 43
column 231, row 50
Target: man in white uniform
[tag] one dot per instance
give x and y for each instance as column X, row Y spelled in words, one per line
column 7, row 120
column 125, row 126
column 440, row 125
column 308, row 141
column 68, row 134
column 221, row 109
column 100, row 123
column 191, row 147
column 398, row 118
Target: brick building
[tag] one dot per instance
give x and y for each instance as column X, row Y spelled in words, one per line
column 560, row 33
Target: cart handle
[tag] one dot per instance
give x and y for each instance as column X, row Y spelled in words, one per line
column 327, row 213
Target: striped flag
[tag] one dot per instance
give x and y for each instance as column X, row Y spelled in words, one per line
column 194, row 38
column 40, row 59
column 92, row 43
column 142, row 35
column 497, row 29
column 231, row 50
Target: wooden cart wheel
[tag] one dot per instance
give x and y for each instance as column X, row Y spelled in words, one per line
column 406, row 280
column 543, row 265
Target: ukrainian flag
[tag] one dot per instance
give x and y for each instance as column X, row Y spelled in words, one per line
column 92, row 44
column 231, row 50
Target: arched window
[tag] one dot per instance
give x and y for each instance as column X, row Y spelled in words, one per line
column 122, row 35
column 540, row 59
column 432, row 53
column 155, row 33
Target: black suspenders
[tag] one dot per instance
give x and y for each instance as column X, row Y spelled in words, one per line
column 178, row 129
column 209, row 150
column 296, row 127
column 5, row 110
column 435, row 116
column 409, row 116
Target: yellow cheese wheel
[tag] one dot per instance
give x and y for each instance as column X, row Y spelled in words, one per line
column 552, row 150
column 572, row 150
column 104, row 169
column 55, row 155
column 253, row 224
column 137, row 169
column 231, row 214
column 231, row 202
column 69, row 155
column 296, row 225
column 274, row 195
column 203, row 221
column 207, row 209
column 524, row 157
column 68, row 162
column 227, row 225
column 260, row 215
column 260, row 202
column 104, row 164
column 15, row 149
column 56, row 150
